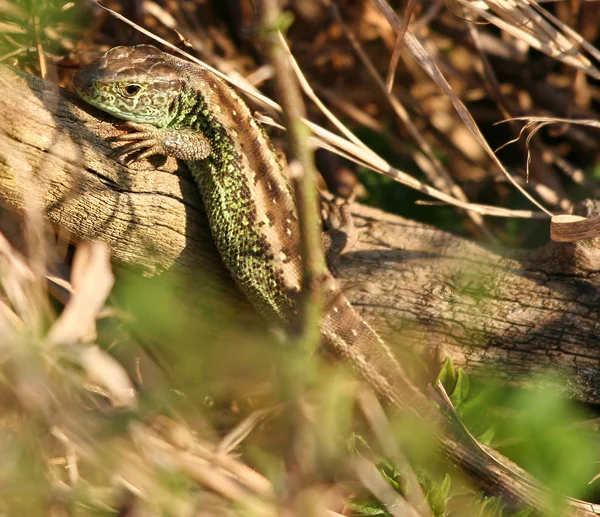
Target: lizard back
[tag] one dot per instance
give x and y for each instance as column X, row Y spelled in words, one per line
column 248, row 198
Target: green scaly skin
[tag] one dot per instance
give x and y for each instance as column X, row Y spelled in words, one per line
column 170, row 97
column 179, row 109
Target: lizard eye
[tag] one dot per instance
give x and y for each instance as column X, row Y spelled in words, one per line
column 131, row 90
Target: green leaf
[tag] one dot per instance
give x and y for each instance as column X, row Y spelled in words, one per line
column 487, row 436
column 368, row 508
column 447, row 375
column 461, row 389
column 438, row 496
column 492, row 507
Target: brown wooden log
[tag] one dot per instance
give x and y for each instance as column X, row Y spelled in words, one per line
column 514, row 310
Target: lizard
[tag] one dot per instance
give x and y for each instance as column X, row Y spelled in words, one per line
column 176, row 108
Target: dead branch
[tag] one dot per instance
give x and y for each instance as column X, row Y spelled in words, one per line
column 513, row 310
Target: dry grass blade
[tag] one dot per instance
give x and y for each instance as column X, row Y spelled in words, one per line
column 428, row 64
column 357, row 153
column 383, row 167
column 544, row 121
column 426, row 158
column 577, row 38
column 233, row 439
column 16, row 307
column 544, row 192
column 16, row 278
column 371, row 408
column 527, row 23
column 534, row 124
column 184, row 438
column 206, row 473
column 494, row 211
column 311, row 94
column 389, row 80
column 92, row 281
column 71, row 456
column 373, row 481
column 10, row 9
column 106, row 371
column 10, row 325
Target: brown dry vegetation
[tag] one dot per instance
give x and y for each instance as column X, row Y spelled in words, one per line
column 135, row 381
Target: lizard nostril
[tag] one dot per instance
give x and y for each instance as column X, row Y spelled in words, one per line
column 79, row 82
column 84, row 79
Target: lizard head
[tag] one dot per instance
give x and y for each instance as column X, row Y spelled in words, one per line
column 131, row 83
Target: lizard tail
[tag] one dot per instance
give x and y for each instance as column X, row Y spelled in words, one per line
column 347, row 334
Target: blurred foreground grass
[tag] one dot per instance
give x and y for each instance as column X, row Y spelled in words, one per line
column 148, row 400
column 154, row 405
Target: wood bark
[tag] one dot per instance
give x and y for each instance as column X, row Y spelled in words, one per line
column 512, row 310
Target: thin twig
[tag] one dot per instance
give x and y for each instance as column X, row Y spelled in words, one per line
column 389, row 81
column 304, row 175
column 354, row 152
column 429, row 65
column 428, row 161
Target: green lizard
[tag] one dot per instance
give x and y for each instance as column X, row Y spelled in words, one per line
column 178, row 109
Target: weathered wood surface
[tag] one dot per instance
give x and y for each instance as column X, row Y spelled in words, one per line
column 513, row 310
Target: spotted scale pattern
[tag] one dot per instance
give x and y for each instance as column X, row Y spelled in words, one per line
column 248, row 199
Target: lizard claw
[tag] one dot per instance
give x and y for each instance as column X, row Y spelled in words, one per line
column 137, row 126
column 125, row 154
column 120, row 157
column 134, row 136
column 184, row 144
column 150, row 151
column 143, row 138
column 148, row 148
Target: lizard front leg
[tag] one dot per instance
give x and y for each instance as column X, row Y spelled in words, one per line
column 185, row 144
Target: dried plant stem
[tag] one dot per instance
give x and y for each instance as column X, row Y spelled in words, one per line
column 304, row 175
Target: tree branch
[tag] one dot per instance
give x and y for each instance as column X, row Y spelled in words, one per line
column 420, row 287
